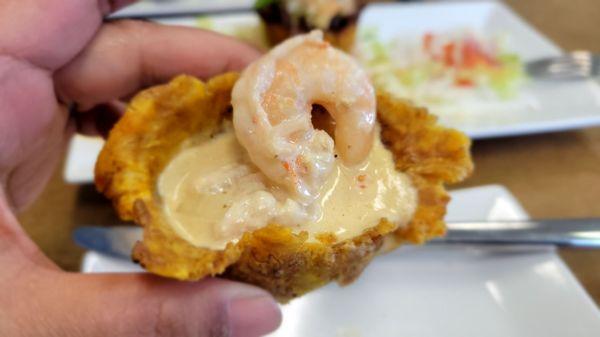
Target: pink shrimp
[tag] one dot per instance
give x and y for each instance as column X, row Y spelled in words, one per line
column 272, row 104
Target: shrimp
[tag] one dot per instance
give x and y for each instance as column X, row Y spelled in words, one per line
column 272, row 103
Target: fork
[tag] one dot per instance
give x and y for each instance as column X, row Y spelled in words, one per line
column 571, row 66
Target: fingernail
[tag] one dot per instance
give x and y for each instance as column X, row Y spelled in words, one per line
column 254, row 316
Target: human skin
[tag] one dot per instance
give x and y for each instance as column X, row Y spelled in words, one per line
column 58, row 53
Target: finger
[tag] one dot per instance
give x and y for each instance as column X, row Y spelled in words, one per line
column 128, row 55
column 120, row 305
column 146, row 305
column 48, row 33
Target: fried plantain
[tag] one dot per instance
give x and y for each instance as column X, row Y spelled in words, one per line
column 288, row 264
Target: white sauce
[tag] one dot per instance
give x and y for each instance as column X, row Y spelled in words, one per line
column 212, row 194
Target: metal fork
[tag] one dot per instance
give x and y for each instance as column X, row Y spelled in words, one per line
column 572, row 66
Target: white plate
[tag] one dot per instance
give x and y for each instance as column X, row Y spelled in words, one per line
column 443, row 290
column 550, row 106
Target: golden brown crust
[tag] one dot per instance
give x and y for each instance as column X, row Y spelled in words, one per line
column 157, row 121
column 431, row 155
column 287, row 264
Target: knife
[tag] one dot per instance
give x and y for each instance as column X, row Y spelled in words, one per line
column 117, row 241
column 174, row 9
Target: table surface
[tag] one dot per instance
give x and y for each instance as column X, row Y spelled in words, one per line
column 553, row 175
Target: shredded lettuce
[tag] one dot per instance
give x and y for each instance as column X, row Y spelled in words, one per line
column 442, row 67
column 507, row 80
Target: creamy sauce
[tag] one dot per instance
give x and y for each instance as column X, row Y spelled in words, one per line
column 212, row 194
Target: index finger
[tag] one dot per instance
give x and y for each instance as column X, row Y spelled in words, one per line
column 128, row 55
column 47, row 33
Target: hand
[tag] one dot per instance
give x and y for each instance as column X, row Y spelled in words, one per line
column 55, row 54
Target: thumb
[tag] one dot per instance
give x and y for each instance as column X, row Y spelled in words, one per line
column 38, row 299
column 123, row 305
column 146, row 305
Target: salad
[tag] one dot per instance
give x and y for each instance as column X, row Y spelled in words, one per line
column 447, row 72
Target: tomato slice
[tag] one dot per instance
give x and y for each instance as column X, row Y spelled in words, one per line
column 463, row 82
column 473, row 55
column 449, row 54
column 428, row 42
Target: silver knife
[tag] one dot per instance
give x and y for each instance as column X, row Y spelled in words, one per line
column 162, row 9
column 117, row 241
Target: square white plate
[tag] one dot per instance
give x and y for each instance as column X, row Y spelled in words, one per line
column 442, row 290
column 549, row 106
